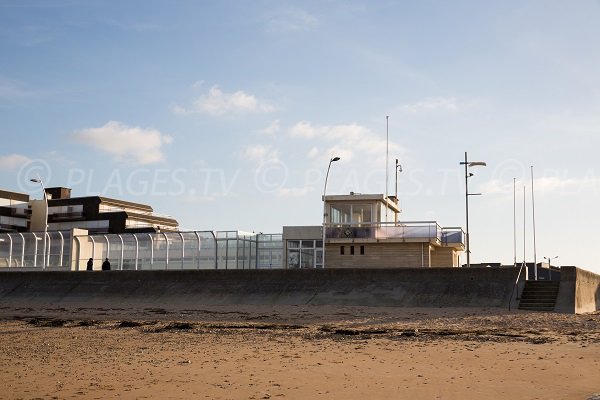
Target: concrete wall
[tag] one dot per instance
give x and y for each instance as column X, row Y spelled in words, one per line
column 82, row 250
column 302, row 232
column 444, row 257
column 38, row 215
column 579, row 291
column 405, row 287
column 378, row 255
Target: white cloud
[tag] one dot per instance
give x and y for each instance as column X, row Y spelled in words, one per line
column 260, row 154
column 294, row 191
column 13, row 161
column 449, row 104
column 546, row 184
column 290, row 20
column 125, row 143
column 272, row 129
column 346, row 141
column 304, row 130
column 312, row 153
column 566, row 185
column 217, row 103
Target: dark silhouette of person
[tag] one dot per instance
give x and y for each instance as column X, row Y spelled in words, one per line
column 90, row 264
column 106, row 265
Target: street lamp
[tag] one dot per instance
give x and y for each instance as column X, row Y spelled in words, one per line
column 398, row 169
column 39, row 180
column 333, row 159
column 468, row 174
column 549, row 259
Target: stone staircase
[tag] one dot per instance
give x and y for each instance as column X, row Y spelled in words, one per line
column 539, row 295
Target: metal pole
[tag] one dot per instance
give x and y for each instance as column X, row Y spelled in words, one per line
column 45, row 222
column 387, row 142
column 467, row 210
column 533, row 217
column 524, row 235
column 514, row 222
column 396, row 191
column 332, row 159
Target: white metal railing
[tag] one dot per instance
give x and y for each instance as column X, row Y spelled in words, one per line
column 413, row 230
column 181, row 250
column 135, row 251
column 26, row 250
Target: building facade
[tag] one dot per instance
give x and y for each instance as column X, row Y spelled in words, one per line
column 360, row 231
column 363, row 230
column 96, row 214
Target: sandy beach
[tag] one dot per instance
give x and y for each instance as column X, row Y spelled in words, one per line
column 297, row 352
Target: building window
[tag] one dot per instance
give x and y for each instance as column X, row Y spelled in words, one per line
column 342, row 250
column 351, row 250
column 304, row 254
column 362, row 250
column 351, row 213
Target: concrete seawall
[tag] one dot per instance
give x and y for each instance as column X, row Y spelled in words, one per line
column 579, row 291
column 407, row 287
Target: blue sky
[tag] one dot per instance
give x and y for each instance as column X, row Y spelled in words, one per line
column 224, row 114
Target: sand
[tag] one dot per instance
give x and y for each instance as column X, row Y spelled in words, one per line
column 297, row 353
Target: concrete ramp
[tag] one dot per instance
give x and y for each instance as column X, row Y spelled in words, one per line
column 406, row 287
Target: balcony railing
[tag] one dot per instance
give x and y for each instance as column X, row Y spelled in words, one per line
column 428, row 231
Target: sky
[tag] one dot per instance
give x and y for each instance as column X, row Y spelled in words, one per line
column 225, row 114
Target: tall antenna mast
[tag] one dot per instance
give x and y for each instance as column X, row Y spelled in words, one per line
column 535, row 272
column 515, row 221
column 524, row 229
column 387, row 142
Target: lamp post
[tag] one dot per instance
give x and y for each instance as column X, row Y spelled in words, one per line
column 398, row 169
column 549, row 259
column 468, row 174
column 331, row 160
column 39, row 180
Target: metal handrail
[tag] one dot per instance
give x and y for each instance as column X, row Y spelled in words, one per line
column 515, row 286
column 433, row 229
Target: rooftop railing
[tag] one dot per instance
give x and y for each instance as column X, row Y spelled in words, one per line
column 405, row 231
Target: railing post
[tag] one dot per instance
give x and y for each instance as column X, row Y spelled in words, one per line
column 122, row 252
column 10, row 250
column 47, row 249
column 93, row 247
column 182, row 250
column 35, row 249
column 107, row 246
column 137, row 251
column 62, row 247
column 22, row 249
column 199, row 248
column 167, row 251
column 151, row 251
